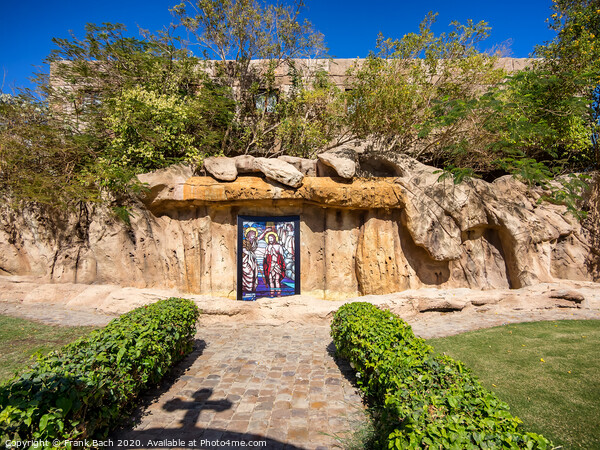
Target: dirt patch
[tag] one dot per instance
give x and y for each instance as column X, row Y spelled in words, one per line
column 431, row 312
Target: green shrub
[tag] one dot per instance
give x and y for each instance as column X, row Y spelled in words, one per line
column 419, row 399
column 150, row 130
column 83, row 389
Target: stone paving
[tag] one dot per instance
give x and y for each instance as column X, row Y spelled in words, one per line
column 278, row 384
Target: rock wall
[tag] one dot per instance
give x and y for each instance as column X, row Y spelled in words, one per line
column 591, row 203
column 366, row 236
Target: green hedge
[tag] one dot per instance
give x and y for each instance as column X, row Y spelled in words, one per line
column 83, row 389
column 420, row 399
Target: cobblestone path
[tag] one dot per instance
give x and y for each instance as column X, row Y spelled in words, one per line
column 278, row 384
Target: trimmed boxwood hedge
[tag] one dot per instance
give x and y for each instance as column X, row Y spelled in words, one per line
column 83, row 389
column 420, row 399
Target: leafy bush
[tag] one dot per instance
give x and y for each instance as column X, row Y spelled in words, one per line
column 150, row 130
column 83, row 389
column 235, row 35
column 419, row 399
column 418, row 95
column 37, row 162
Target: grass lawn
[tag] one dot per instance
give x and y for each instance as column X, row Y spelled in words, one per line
column 21, row 338
column 548, row 372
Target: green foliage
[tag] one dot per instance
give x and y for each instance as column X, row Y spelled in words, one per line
column 457, row 174
column 311, row 117
column 421, row 399
column 533, row 130
column 573, row 58
column 143, row 103
column 38, row 162
column 568, row 190
column 438, row 99
column 123, row 213
column 233, row 33
column 543, row 121
column 150, row 130
column 83, row 389
column 117, row 105
column 556, row 365
column 416, row 94
column 21, row 339
column 106, row 62
column 242, row 30
column 575, row 50
column 532, row 116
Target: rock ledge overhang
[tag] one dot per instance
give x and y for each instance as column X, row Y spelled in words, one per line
column 382, row 193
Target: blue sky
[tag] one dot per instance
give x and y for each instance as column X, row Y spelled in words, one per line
column 350, row 26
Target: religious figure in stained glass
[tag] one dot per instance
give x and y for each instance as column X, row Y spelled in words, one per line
column 287, row 241
column 249, row 264
column 268, row 261
column 273, row 263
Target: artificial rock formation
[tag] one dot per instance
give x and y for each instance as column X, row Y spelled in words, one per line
column 343, row 167
column 244, row 164
column 308, row 167
column 221, row 168
column 365, row 236
column 287, row 170
column 280, row 171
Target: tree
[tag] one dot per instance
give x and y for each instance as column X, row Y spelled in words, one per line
column 247, row 43
column 545, row 118
column 547, row 113
column 149, row 130
column 37, row 161
column 440, row 100
column 573, row 59
column 113, row 106
column 312, row 117
column 142, row 104
column 417, row 95
column 119, row 105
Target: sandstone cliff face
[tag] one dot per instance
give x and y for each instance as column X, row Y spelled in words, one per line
column 591, row 202
column 367, row 236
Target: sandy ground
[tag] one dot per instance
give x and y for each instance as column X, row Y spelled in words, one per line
column 431, row 312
